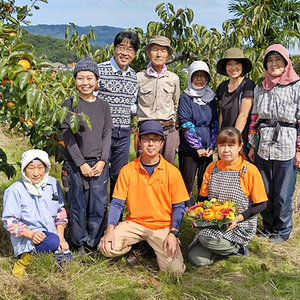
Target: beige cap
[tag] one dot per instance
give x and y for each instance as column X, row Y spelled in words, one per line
column 161, row 41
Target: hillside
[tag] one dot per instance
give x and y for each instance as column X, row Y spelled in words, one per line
column 105, row 34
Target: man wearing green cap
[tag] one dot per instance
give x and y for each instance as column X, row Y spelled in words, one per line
column 159, row 93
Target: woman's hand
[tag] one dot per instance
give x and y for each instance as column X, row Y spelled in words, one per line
column 86, row 170
column 201, row 152
column 98, row 168
column 251, row 155
column 209, row 152
column 63, row 245
column 297, row 160
column 38, row 237
column 234, row 222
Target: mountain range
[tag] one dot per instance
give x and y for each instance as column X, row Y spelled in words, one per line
column 104, row 34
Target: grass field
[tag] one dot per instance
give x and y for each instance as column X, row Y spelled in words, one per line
column 269, row 272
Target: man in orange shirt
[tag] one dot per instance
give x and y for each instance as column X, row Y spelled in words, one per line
column 155, row 195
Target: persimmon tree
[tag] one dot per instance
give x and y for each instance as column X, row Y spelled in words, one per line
column 31, row 89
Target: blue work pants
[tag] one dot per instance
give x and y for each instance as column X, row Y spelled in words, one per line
column 87, row 206
column 279, row 178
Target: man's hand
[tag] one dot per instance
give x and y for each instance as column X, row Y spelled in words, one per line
column 171, row 245
column 107, row 242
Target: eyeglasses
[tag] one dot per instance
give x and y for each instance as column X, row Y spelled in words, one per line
column 121, row 48
column 199, row 76
column 147, row 140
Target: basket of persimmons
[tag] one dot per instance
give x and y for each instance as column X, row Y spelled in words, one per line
column 212, row 214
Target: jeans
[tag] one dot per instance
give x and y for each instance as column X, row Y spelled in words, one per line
column 118, row 157
column 279, row 178
column 87, row 207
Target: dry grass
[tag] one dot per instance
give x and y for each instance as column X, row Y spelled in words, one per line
column 270, row 272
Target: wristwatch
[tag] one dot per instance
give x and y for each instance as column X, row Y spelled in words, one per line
column 175, row 232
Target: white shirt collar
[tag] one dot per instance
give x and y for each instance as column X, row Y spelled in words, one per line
column 116, row 67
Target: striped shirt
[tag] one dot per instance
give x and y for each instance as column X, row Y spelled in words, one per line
column 282, row 103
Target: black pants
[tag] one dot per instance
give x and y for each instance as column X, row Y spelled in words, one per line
column 189, row 164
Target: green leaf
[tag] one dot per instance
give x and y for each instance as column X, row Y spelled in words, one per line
column 23, row 79
column 190, row 15
column 75, row 99
column 86, row 119
column 158, row 6
column 21, row 46
column 3, row 71
column 67, row 32
column 62, row 113
column 31, row 95
column 74, row 123
column 13, row 20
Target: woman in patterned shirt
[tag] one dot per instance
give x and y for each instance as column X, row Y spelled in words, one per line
column 231, row 178
column 273, row 128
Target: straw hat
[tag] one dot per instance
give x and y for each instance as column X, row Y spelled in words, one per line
column 161, row 41
column 236, row 54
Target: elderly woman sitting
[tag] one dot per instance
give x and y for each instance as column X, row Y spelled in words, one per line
column 34, row 213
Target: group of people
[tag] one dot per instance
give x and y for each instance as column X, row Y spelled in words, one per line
column 156, row 193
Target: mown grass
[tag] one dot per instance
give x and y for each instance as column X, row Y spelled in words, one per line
column 269, row 272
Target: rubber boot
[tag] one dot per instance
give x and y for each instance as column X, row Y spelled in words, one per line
column 21, row 265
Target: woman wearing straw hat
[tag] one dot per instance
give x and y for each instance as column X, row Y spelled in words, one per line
column 236, row 94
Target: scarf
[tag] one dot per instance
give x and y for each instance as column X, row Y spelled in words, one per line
column 26, row 158
column 289, row 75
column 152, row 72
column 200, row 95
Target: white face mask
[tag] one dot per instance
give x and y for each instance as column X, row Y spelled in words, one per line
column 198, row 88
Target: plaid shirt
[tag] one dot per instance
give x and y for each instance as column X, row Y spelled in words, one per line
column 282, row 103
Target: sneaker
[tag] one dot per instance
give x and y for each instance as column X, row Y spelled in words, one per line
column 264, row 234
column 61, row 258
column 81, row 251
column 243, row 251
column 21, row 265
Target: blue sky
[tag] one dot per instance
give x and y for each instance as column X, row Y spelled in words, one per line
column 122, row 13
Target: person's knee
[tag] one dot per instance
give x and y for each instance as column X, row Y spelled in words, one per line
column 198, row 260
column 49, row 244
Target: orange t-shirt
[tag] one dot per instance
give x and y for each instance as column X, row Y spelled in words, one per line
column 251, row 183
column 150, row 199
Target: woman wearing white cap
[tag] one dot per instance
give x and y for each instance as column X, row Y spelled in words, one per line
column 34, row 213
column 198, row 119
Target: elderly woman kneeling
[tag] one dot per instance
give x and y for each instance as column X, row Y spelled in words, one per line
column 34, row 213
